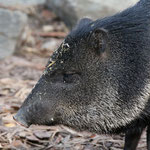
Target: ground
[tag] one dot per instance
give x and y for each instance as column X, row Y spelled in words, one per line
column 19, row 73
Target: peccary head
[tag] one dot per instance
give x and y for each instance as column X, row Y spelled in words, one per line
column 98, row 79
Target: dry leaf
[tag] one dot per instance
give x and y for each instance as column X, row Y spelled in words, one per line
column 9, row 125
column 42, row 134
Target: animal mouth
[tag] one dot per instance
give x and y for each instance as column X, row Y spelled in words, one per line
column 20, row 121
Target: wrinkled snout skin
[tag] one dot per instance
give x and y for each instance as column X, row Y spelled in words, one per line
column 37, row 108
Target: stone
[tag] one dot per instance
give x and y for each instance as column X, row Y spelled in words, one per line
column 11, row 27
column 70, row 11
column 7, row 46
column 48, row 28
column 50, row 45
column 22, row 2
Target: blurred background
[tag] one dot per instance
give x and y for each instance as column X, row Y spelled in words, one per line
column 30, row 30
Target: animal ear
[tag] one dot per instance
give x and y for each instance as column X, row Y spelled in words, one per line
column 99, row 40
column 83, row 22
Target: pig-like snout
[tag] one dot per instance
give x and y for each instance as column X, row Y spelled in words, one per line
column 21, row 118
column 38, row 108
column 27, row 111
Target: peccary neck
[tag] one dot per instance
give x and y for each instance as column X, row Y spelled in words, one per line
column 143, row 2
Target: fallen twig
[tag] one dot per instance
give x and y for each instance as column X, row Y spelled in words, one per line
column 50, row 34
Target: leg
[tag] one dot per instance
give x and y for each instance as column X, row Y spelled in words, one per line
column 132, row 138
column 148, row 137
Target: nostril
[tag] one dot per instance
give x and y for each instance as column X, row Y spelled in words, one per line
column 20, row 120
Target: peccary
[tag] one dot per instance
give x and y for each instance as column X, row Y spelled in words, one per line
column 98, row 80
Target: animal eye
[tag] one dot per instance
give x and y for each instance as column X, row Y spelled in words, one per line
column 70, row 77
column 67, row 78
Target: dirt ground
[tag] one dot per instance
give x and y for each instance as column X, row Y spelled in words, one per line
column 19, row 73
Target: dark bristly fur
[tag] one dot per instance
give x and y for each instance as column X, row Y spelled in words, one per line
column 99, row 78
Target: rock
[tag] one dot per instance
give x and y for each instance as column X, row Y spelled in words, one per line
column 48, row 28
column 27, row 38
column 7, row 46
column 22, row 2
column 11, row 26
column 12, row 22
column 50, row 45
column 70, row 11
